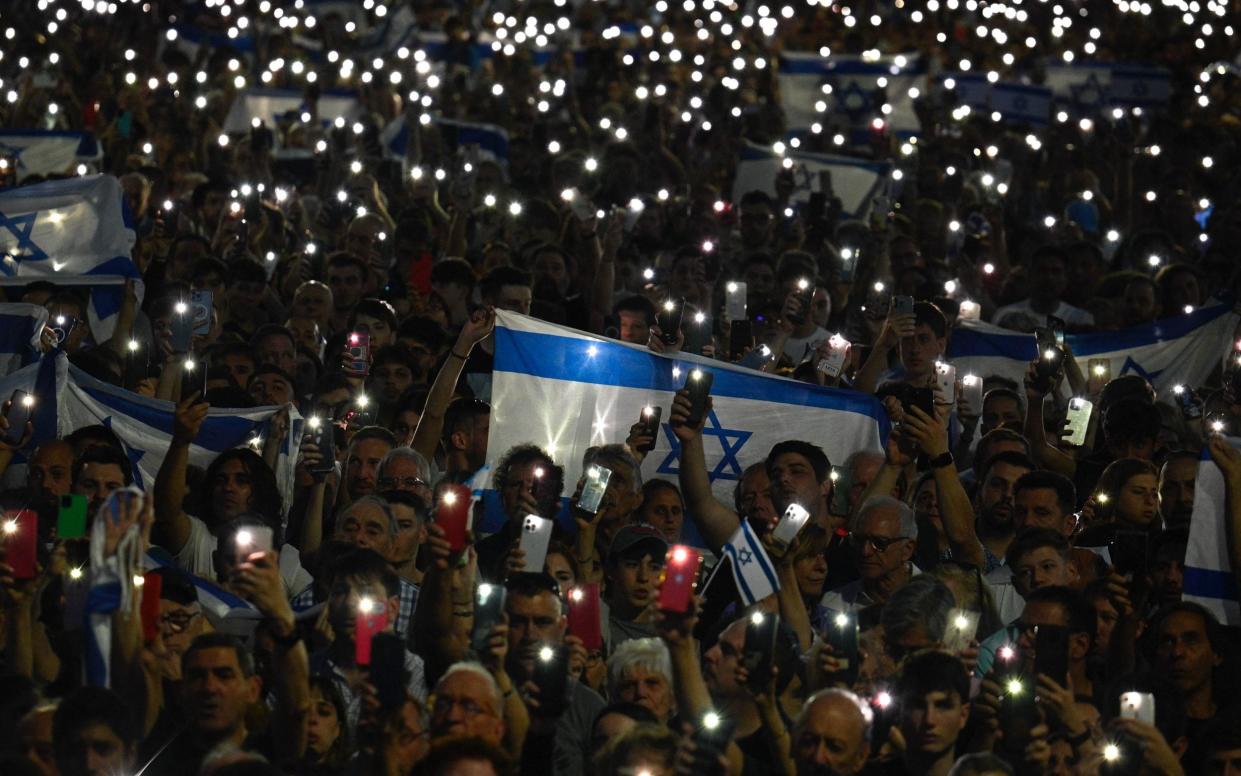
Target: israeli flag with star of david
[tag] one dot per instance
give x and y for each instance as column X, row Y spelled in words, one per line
column 1184, row 349
column 1094, row 86
column 854, row 181
column 73, row 232
column 565, row 391
column 48, row 152
column 854, row 84
column 1209, row 577
column 271, row 105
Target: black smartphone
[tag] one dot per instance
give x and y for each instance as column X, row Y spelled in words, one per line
column 1018, row 712
column 711, row 740
column 886, row 712
column 194, row 378
column 1051, row 653
column 488, row 612
column 551, row 674
column 1130, row 551
column 1057, row 330
column 20, row 406
column 842, row 633
column 182, row 328
column 698, row 383
column 649, row 419
column 805, row 295
column 324, row 434
column 922, row 398
column 760, row 648
column 902, row 305
column 740, row 337
column 388, row 669
column 669, row 320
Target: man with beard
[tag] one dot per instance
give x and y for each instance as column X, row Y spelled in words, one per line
column 97, row 473
column 831, row 736
column 1176, row 488
column 984, row 546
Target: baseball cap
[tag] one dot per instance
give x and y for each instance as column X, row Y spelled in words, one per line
column 637, row 535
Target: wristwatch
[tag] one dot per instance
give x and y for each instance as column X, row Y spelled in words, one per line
column 941, row 461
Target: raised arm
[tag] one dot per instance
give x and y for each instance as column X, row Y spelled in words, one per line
column 931, row 435
column 431, row 424
column 716, row 522
column 172, row 527
column 1044, row 452
column 894, row 328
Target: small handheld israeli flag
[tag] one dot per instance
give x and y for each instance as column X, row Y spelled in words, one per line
column 752, row 569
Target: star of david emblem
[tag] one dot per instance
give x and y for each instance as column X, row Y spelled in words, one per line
column 731, row 441
column 20, row 227
column 1136, row 368
column 1088, row 93
column 745, row 557
column 15, row 151
column 134, row 455
column 1020, row 103
column 853, row 99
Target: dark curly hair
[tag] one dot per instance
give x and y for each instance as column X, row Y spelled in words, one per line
column 553, row 474
column 264, row 495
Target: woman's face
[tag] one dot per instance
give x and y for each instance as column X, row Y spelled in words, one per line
column 558, row 566
column 811, row 572
column 1138, row 500
column 322, row 724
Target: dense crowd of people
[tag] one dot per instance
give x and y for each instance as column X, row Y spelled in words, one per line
column 992, row 592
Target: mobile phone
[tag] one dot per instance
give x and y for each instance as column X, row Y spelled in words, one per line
column 842, row 636
column 879, row 212
column 371, row 620
column 884, row 710
column 168, row 219
column 388, row 669
column 200, row 312
column 1049, row 360
column 649, row 418
column 849, row 258
column 735, row 301
column 551, row 674
column 922, row 398
column 359, row 348
column 597, row 478
column 579, row 204
column 698, row 383
column 698, row 333
column 71, row 517
column 1098, row 374
column 488, row 612
column 536, row 534
column 1018, row 712
column 583, row 617
column 676, row 590
column 182, row 328
column 960, row 630
column 969, row 310
column 740, row 337
column 452, row 515
column 1057, row 330
column 21, row 405
column 669, row 320
column 21, row 542
column 152, row 589
column 879, row 301
column 1051, row 652
column 323, row 432
column 249, row 540
column 902, row 305
column 971, row 389
column 1078, row 420
column 194, row 378
column 1130, row 552
column 946, row 381
column 786, row 530
column 62, row 327
column 834, row 363
column 711, row 740
column 805, row 295
column 758, row 656
column 757, row 358
column 1139, row 706
column 1187, row 400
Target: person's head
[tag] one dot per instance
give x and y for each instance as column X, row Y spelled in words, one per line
column 1221, row 741
column 393, row 372
column 464, row 755
column 275, row 345
column 95, row 734
column 326, row 722
column 366, row 451
column 1044, row 499
column 366, row 237
column 882, row 537
column 983, row 764
column 635, row 315
column 50, row 469
column 640, row 671
column 370, row 524
column 1040, row 557
column 238, row 481
column 306, row 333
column 467, row 702
column 346, row 277
column 915, row 617
column 831, row 735
column 1132, row 488
column 1047, row 268
column 810, row 561
column 453, row 280
column 467, row 423
column 535, row 619
column 411, row 515
column 314, row 300
column 98, row 472
column 624, row 491
column 632, row 568
column 1131, row 428
column 271, row 385
column 758, row 218
column 1057, row 607
column 615, row 719
column 799, row 473
column 1000, row 440
column 70, row 306
column 1167, row 569
column 721, row 660
column 1003, row 408
column 358, row 578
column 218, row 685
column 377, row 319
column 529, row 470
column 663, row 507
column 1140, row 301
column 933, row 695
column 997, row 481
column 1177, row 479
column 1188, row 646
column 1179, row 288
column 860, row 469
column 644, row 749
column 508, row 288
column 181, row 617
column 405, row 469
column 239, row 359
column 752, row 497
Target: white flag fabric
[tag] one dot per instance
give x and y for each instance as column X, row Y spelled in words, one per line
column 21, row 327
column 1209, row 577
column 853, row 82
column 48, row 152
column 1017, row 103
column 492, row 140
column 1184, row 349
column 76, row 231
column 566, row 391
column 269, row 104
column 752, row 569
column 1108, row 84
column 855, row 181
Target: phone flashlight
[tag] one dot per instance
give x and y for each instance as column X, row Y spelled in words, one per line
column 546, row 654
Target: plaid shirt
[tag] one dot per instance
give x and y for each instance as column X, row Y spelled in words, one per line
column 404, row 616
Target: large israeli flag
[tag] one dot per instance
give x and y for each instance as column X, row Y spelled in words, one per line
column 269, row 105
column 1096, row 85
column 76, row 232
column 566, row 391
column 853, row 83
column 492, row 140
column 1184, row 349
column 855, row 181
column 47, row 152
column 1209, row 577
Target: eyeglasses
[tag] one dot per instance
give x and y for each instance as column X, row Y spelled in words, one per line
column 469, row 708
column 879, row 544
column 388, row 483
column 177, row 622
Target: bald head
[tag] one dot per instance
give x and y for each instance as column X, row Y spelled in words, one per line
column 832, row 735
column 51, row 468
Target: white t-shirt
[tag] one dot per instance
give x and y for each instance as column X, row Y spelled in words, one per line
column 797, row 349
column 1074, row 317
column 195, row 557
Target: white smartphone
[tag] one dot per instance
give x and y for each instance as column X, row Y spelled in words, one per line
column 946, row 379
column 734, row 301
column 834, row 363
column 1078, row 420
column 1139, row 706
column 971, row 388
column 597, row 478
column 790, row 525
column 969, row 311
column 960, row 631
column 536, row 534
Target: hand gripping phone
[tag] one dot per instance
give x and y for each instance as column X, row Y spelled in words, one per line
column 1078, row 420
column 758, row 656
column 488, row 612
column 584, row 617
column 649, row 418
column 596, row 485
column 536, row 534
column 698, row 384
column 794, row 519
column 452, row 514
column 676, row 590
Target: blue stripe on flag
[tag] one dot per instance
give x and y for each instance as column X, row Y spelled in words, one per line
column 737, row 575
column 1209, row 583
column 761, row 557
column 219, row 432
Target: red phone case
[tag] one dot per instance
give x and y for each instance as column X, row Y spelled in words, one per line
column 676, row 591
column 366, row 627
column 21, row 546
column 152, row 588
column 583, row 616
column 452, row 514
